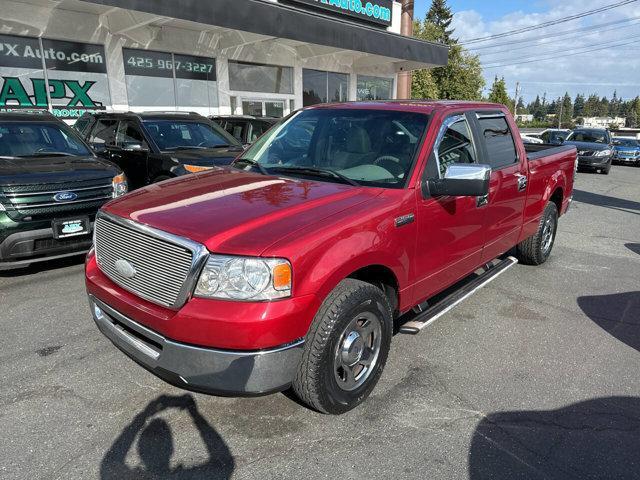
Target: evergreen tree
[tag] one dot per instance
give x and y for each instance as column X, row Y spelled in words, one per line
column 498, row 93
column 566, row 119
column 578, row 105
column 603, row 107
column 461, row 78
column 522, row 108
column 440, row 15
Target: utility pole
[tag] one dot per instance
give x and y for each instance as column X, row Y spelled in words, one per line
column 515, row 102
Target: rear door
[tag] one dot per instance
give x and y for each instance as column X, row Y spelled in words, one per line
column 103, row 136
column 508, row 186
column 131, row 153
column 450, row 237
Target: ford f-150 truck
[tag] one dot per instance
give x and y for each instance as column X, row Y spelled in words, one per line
column 294, row 267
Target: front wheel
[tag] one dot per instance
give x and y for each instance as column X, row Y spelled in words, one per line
column 536, row 249
column 346, row 348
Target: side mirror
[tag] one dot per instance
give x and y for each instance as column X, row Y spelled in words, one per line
column 135, row 147
column 462, row 180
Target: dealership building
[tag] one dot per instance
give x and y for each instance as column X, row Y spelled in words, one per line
column 215, row 57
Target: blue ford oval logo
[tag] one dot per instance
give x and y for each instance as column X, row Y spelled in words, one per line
column 125, row 269
column 65, row 196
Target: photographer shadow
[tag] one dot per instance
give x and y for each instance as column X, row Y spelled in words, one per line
column 155, row 446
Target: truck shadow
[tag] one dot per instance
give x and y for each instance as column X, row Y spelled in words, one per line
column 594, row 439
column 155, row 446
column 618, row 314
column 606, row 201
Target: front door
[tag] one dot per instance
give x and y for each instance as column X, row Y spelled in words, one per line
column 131, row 152
column 508, row 186
column 450, row 229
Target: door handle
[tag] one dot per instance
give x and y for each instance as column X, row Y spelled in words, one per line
column 522, row 181
column 483, row 200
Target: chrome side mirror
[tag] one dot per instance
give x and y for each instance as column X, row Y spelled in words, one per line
column 462, row 180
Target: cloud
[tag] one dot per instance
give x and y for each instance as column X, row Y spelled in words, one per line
column 560, row 68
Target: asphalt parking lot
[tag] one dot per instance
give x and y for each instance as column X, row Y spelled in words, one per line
column 536, row 376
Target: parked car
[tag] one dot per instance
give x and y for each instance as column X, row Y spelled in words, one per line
column 554, row 136
column 51, row 186
column 626, row 150
column 290, row 269
column 530, row 139
column 155, row 146
column 595, row 149
column 245, row 128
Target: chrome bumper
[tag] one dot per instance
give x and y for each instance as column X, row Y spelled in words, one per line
column 218, row 372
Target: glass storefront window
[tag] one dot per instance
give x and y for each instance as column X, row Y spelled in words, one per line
column 261, row 108
column 252, row 77
column 274, row 109
column 252, row 108
column 166, row 80
column 75, row 81
column 374, row 88
column 321, row 87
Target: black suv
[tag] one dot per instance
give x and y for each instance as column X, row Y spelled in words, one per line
column 155, row 146
column 51, row 186
column 245, row 128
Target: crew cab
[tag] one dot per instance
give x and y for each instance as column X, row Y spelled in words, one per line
column 154, row 146
column 290, row 268
column 51, row 186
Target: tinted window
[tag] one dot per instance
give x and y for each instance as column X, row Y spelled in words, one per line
column 174, row 135
column 129, row 134
column 371, row 147
column 456, row 146
column 104, row 132
column 500, row 146
column 31, row 139
column 82, row 124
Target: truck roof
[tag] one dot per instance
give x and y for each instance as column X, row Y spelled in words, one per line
column 423, row 106
column 28, row 115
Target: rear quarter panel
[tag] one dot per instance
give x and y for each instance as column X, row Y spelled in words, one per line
column 547, row 174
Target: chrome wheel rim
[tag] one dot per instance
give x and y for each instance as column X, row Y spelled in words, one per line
column 357, row 351
column 547, row 235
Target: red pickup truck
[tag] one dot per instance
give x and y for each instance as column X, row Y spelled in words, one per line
column 294, row 267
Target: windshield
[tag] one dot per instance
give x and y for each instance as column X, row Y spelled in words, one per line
column 367, row 147
column 178, row 135
column 34, row 139
column 590, row 136
column 627, row 142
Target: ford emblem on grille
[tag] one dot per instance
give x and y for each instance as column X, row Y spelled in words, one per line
column 125, row 269
column 65, row 196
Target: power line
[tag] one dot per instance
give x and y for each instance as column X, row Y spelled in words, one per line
column 544, row 59
column 549, row 23
column 559, row 34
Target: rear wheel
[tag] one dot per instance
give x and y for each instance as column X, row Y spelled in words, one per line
column 346, row 348
column 536, row 249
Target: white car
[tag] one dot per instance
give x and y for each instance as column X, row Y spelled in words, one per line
column 530, row 139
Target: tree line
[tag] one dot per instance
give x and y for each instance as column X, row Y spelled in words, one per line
column 462, row 79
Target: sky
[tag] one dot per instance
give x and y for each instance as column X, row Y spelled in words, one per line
column 558, row 61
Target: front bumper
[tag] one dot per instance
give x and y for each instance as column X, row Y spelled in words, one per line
column 22, row 248
column 206, row 370
column 593, row 162
column 626, row 159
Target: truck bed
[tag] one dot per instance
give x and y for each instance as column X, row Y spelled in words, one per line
column 536, row 151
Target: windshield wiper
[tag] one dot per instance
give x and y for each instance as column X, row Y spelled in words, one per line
column 48, row 154
column 318, row 172
column 253, row 163
column 186, row 147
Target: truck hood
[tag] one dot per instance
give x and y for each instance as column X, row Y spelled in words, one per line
column 208, row 157
column 236, row 212
column 588, row 145
column 50, row 170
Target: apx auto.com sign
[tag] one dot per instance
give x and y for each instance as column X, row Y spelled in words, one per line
column 374, row 11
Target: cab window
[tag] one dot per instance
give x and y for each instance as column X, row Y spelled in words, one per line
column 455, row 145
column 501, row 149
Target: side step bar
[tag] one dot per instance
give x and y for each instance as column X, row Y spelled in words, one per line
column 434, row 312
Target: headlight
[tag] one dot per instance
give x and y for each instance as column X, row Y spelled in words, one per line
column 244, row 278
column 196, row 168
column 602, row 153
column 119, row 185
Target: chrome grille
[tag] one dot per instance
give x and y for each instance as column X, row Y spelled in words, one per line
column 162, row 268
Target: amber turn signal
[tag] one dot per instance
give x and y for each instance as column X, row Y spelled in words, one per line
column 282, row 276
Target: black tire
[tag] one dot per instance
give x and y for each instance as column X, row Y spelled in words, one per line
column 605, row 171
column 317, row 381
column 535, row 250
